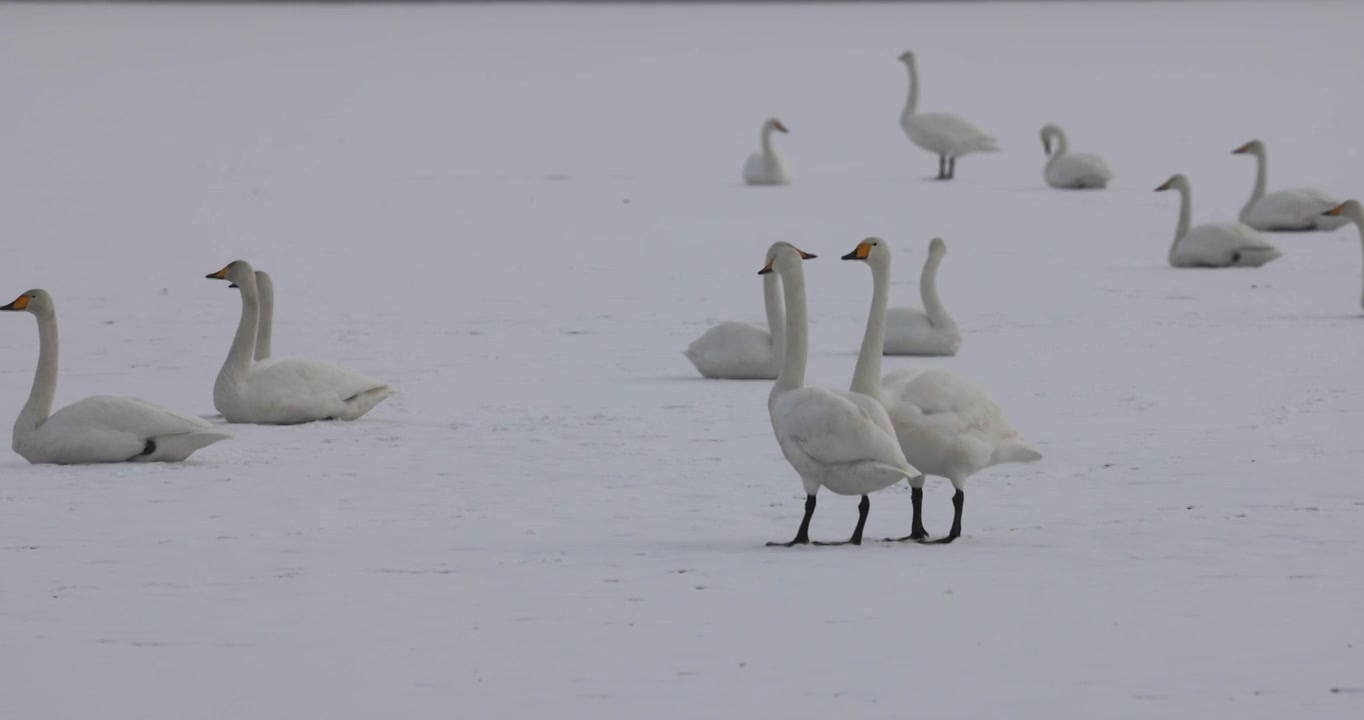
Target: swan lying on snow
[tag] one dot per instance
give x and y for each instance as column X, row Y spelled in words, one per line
column 1071, row 171
column 1216, row 245
column 286, row 391
column 99, row 429
column 931, row 331
column 946, row 135
column 744, row 351
column 766, row 167
column 1352, row 211
column 835, row 439
column 1292, row 209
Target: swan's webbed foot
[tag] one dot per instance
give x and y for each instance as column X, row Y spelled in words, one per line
column 862, row 509
column 799, row 540
column 958, row 502
column 803, row 534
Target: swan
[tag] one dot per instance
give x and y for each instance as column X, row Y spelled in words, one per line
column 946, row 135
column 946, row 425
column 836, row 439
column 931, row 331
column 1228, row 244
column 1071, row 171
column 1292, row 209
column 766, row 167
column 265, row 292
column 1352, row 211
column 283, row 391
column 99, row 429
column 744, row 351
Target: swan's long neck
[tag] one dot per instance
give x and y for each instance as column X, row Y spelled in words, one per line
column 266, row 318
column 1185, row 210
column 928, row 292
column 912, row 104
column 776, row 314
column 1062, row 144
column 39, row 405
column 1261, row 174
column 767, row 142
column 792, row 374
column 867, row 375
column 243, row 343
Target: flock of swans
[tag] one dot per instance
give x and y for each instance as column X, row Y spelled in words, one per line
column 917, row 422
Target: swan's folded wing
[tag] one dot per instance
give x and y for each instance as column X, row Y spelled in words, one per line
column 954, row 130
column 833, row 428
column 309, row 377
column 946, row 403
column 133, row 415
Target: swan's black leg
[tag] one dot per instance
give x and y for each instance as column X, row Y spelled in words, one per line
column 958, row 501
column 916, row 530
column 862, row 509
column 951, row 167
column 942, row 167
column 147, row 449
column 803, row 534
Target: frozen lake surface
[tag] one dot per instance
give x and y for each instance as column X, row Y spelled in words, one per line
column 519, row 216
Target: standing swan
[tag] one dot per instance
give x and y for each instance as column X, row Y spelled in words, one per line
column 946, row 135
column 283, row 392
column 766, row 167
column 931, row 331
column 1071, row 171
column 1215, row 245
column 99, row 429
column 1292, row 209
column 1352, row 211
column 946, row 425
column 835, row 439
column 744, row 351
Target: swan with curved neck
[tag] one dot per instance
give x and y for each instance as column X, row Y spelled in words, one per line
column 99, row 429
column 1071, row 171
column 930, row 331
column 744, row 351
column 1292, row 209
column 945, row 424
column 1353, row 212
column 1214, row 245
column 283, row 392
column 767, row 167
column 835, row 439
column 946, row 135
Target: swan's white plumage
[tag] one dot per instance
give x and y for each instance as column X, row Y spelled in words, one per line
column 744, row 351
column 1291, row 209
column 930, row 331
column 1214, row 245
column 767, row 167
column 1072, row 171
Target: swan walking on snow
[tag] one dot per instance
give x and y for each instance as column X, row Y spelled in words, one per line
column 931, row 331
column 1292, row 209
column 1352, row 211
column 835, row 439
column 285, row 391
column 99, row 429
column 1215, row 245
column 1071, row 171
column 744, row 351
column 946, row 425
column 946, row 135
column 766, row 167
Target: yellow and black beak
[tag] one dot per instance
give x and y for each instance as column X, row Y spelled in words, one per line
column 1164, row 186
column 803, row 256
column 220, row 275
column 1335, row 211
column 768, row 267
column 1046, row 146
column 20, row 303
column 1241, row 150
column 861, row 252
column 780, row 127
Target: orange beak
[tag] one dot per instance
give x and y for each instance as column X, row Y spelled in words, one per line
column 220, row 275
column 20, row 303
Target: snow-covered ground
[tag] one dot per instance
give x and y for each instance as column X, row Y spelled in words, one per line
column 519, row 216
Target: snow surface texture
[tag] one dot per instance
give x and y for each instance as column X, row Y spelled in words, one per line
column 519, row 216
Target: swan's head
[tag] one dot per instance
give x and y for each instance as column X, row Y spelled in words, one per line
column 783, row 256
column 1350, row 209
column 235, row 272
column 1048, row 132
column 1176, row 181
column 907, row 57
column 937, row 248
column 873, row 250
column 34, row 301
column 1254, row 147
column 775, row 124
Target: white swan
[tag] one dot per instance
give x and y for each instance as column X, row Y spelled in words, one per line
column 99, row 429
column 1215, row 245
column 1352, row 211
column 946, row 135
column 285, row 391
column 1071, row 171
column 946, row 425
column 1292, row 209
column 766, row 167
column 931, row 331
column 835, row 439
column 744, row 351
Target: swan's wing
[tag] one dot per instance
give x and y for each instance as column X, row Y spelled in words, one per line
column 954, row 131
column 308, row 387
column 906, row 319
column 106, row 428
column 945, row 403
column 1292, row 208
column 734, row 350
column 1074, row 169
column 1223, row 244
column 837, row 428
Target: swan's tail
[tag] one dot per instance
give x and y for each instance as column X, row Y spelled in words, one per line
column 360, row 403
column 1015, row 452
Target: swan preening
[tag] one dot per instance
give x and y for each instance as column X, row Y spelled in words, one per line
column 946, row 135
column 930, row 331
column 1215, row 245
column 1351, row 211
column 744, row 351
column 836, row 439
column 1292, row 209
column 766, row 167
column 1071, row 171
column 285, row 391
column 946, row 425
column 99, row 429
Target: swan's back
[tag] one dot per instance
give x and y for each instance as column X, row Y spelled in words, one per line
column 735, row 351
column 1078, row 171
column 909, row 331
column 108, row 428
column 285, row 391
column 947, row 134
column 1227, row 244
column 1294, row 209
column 761, row 169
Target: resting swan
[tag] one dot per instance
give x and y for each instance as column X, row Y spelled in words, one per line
column 946, row 425
column 1072, row 171
column 1352, row 211
column 1215, row 245
column 946, row 135
column 265, row 289
column 1292, row 209
column 766, row 167
column 283, row 392
column 744, row 351
column 99, row 429
column 835, row 439
column 931, row 331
